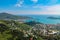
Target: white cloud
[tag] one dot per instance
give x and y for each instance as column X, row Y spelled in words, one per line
column 19, row 3
column 49, row 10
column 35, row 1
column 45, row 10
column 53, row 10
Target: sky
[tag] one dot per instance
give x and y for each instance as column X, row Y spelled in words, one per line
column 30, row 7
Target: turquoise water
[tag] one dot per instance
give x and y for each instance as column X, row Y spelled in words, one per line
column 44, row 19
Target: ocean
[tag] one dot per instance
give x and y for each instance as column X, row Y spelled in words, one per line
column 44, row 19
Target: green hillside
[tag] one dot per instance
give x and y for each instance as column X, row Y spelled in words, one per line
column 10, row 16
column 13, row 30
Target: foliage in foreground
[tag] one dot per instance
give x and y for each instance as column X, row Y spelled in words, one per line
column 12, row 30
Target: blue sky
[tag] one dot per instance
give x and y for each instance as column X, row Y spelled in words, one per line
column 30, row 7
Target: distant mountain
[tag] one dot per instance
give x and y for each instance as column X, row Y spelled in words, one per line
column 13, row 17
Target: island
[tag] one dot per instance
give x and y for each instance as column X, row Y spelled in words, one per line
column 53, row 18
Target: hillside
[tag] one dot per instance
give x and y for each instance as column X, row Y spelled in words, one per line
column 13, row 30
column 13, row 17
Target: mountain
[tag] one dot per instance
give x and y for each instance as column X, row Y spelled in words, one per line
column 13, row 17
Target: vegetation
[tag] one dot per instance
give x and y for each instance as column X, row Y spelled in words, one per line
column 7, row 16
column 14, row 30
column 11, row 30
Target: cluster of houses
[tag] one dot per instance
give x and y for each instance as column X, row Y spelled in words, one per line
column 47, row 29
